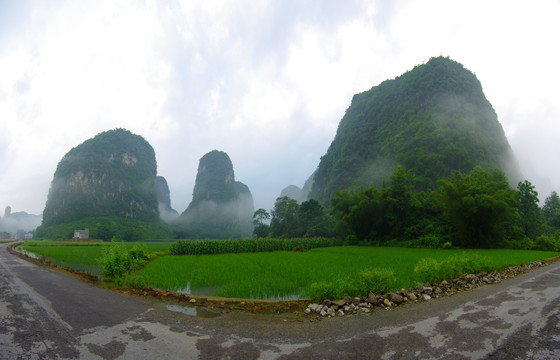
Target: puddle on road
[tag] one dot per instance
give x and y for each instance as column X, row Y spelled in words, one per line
column 192, row 311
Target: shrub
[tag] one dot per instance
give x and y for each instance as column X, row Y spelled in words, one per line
column 429, row 270
column 318, row 291
column 380, row 281
column 117, row 260
column 547, row 242
column 426, row 268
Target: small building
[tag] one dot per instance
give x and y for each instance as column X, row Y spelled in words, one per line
column 81, row 234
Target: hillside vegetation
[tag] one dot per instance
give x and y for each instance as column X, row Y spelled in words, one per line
column 431, row 120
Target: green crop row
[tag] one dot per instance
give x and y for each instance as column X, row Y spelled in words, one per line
column 208, row 247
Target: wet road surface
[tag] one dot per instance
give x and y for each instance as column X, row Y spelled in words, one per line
column 49, row 314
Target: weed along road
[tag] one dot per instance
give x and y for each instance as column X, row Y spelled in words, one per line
column 48, row 314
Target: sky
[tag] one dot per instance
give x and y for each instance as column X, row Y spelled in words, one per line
column 265, row 81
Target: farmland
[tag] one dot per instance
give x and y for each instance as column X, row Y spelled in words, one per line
column 334, row 271
column 80, row 256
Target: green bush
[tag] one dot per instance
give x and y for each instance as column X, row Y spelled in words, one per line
column 547, row 242
column 430, row 270
column 380, row 281
column 318, row 291
column 117, row 260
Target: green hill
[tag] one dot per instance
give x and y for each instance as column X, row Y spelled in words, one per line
column 432, row 120
column 112, row 174
column 221, row 207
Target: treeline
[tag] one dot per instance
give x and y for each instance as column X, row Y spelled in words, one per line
column 474, row 210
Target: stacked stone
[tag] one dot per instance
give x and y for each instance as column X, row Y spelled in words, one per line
column 424, row 292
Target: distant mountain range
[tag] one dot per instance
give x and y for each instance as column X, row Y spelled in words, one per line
column 431, row 120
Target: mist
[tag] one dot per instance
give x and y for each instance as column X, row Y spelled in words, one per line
column 18, row 222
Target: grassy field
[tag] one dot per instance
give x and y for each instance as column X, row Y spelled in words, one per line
column 336, row 271
column 283, row 275
column 80, row 256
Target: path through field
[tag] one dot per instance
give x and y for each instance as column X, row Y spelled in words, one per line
column 46, row 314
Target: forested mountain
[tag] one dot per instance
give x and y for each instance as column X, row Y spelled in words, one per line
column 112, row 174
column 431, row 120
column 221, row 207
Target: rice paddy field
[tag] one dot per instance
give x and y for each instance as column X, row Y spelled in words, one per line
column 79, row 256
column 289, row 275
column 284, row 274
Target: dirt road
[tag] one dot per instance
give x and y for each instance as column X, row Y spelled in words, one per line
column 46, row 314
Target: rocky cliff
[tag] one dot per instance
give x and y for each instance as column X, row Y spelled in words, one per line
column 112, row 174
column 221, row 206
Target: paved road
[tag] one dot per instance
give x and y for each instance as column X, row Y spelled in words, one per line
column 47, row 314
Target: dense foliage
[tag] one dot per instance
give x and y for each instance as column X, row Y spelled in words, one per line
column 290, row 219
column 112, row 174
column 200, row 247
column 432, row 120
column 474, row 210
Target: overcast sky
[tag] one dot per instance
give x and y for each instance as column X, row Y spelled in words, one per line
column 265, row 81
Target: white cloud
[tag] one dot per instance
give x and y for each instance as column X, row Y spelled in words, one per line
column 265, row 81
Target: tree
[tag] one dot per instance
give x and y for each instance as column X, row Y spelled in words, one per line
column 398, row 202
column 530, row 215
column 313, row 221
column 285, row 222
column 480, row 207
column 260, row 222
column 551, row 210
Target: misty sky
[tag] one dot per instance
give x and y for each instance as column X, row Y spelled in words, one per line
column 265, row 81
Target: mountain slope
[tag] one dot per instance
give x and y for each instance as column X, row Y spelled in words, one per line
column 112, row 174
column 432, row 120
column 221, row 207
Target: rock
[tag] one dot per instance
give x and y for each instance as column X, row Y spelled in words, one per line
column 340, row 313
column 308, row 311
column 347, row 309
column 395, row 298
column 348, row 300
column 444, row 282
column 339, row 303
column 192, row 301
column 356, row 300
column 387, row 303
column 323, row 313
column 372, row 298
column 331, row 312
column 426, row 297
column 365, row 309
column 312, row 307
column 412, row 297
column 427, row 290
column 327, row 303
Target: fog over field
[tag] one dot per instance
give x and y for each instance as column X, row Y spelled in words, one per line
column 267, row 81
